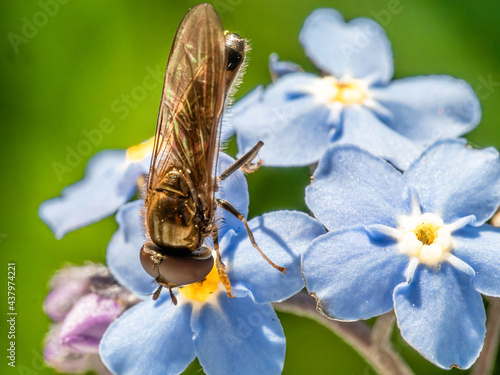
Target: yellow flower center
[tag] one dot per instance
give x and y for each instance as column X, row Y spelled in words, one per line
column 138, row 152
column 425, row 237
column 330, row 90
column 426, row 233
column 201, row 290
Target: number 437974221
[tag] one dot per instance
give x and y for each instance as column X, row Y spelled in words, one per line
column 11, row 287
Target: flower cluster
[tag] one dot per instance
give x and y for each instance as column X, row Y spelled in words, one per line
column 416, row 242
column 225, row 334
column 400, row 208
column 82, row 304
column 353, row 102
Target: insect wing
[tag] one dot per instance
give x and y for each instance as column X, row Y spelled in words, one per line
column 193, row 96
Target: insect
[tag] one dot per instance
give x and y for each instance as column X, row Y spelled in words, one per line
column 180, row 204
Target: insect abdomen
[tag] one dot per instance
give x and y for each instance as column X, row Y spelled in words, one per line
column 172, row 218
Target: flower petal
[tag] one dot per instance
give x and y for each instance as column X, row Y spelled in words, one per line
column 362, row 128
column 455, row 181
column 359, row 49
column 280, row 68
column 122, row 255
column 442, row 316
column 283, row 236
column 238, row 336
column 352, row 275
column 351, row 188
column 480, row 249
column 110, row 180
column 227, row 129
column 66, row 361
column 58, row 302
column 295, row 128
column 289, row 87
column 426, row 109
column 158, row 330
column 87, row 321
column 233, row 189
column 68, row 285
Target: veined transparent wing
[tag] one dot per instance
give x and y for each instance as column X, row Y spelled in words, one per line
column 192, row 102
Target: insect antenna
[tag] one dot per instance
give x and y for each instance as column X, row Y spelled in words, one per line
column 172, row 297
column 157, row 292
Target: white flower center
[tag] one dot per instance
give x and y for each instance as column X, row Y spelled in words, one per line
column 426, row 237
column 330, row 90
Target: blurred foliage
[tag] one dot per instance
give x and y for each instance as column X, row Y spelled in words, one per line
column 77, row 63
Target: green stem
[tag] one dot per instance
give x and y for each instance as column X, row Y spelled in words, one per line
column 372, row 344
column 486, row 361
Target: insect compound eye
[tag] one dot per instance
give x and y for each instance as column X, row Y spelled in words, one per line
column 235, row 49
column 185, row 271
column 176, row 270
column 148, row 261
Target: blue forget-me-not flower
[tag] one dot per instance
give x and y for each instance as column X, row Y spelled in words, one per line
column 111, row 179
column 417, row 242
column 300, row 115
column 241, row 335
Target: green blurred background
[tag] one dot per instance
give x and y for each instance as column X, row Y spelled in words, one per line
column 64, row 77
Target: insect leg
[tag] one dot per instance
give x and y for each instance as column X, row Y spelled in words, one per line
column 244, row 162
column 229, row 208
column 221, row 267
column 250, row 168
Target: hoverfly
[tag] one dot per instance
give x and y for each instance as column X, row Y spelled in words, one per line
column 180, row 204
